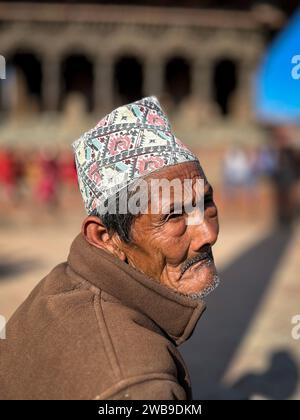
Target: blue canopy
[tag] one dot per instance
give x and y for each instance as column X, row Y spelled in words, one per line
column 277, row 82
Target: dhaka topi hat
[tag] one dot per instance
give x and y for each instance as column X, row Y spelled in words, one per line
column 131, row 142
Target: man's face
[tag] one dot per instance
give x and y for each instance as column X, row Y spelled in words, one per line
column 168, row 249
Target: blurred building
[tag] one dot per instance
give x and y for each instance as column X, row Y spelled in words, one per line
column 193, row 58
column 69, row 63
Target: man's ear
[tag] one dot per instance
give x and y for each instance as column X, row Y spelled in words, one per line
column 97, row 235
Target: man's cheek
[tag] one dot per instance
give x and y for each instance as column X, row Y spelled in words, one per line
column 176, row 252
column 152, row 260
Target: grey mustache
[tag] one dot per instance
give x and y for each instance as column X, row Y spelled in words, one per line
column 206, row 255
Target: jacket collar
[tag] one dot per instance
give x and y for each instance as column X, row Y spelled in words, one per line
column 176, row 314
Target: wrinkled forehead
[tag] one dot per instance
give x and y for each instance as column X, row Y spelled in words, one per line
column 174, row 185
column 181, row 171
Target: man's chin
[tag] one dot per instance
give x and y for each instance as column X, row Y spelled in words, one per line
column 200, row 282
column 210, row 287
column 199, row 278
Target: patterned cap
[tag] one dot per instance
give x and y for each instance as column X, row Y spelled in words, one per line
column 129, row 143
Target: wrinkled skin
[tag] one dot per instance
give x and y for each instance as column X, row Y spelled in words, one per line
column 163, row 244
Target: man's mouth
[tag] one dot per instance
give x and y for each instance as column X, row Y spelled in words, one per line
column 205, row 257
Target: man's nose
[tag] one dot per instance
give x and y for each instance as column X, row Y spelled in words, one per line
column 205, row 233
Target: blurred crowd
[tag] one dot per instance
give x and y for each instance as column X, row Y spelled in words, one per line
column 278, row 162
column 38, row 177
column 47, row 179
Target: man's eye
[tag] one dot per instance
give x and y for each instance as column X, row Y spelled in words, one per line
column 172, row 216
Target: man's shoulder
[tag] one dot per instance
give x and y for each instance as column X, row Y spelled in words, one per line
column 49, row 339
column 76, row 341
column 53, row 298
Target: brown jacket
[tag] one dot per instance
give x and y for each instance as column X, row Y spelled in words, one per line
column 96, row 328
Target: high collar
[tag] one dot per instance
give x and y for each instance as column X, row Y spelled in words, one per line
column 176, row 314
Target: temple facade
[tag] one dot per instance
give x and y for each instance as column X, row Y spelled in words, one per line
column 113, row 54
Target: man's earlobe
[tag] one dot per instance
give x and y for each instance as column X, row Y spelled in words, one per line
column 97, row 235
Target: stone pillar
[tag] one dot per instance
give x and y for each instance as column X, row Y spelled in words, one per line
column 153, row 76
column 51, row 82
column 243, row 100
column 202, row 84
column 103, row 86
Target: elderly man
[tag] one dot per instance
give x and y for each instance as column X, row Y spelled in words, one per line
column 106, row 324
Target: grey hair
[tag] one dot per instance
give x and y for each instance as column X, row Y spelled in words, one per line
column 117, row 221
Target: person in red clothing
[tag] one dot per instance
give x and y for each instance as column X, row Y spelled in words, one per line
column 7, row 174
column 47, row 186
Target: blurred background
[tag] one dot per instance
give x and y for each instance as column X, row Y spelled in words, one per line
column 228, row 75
